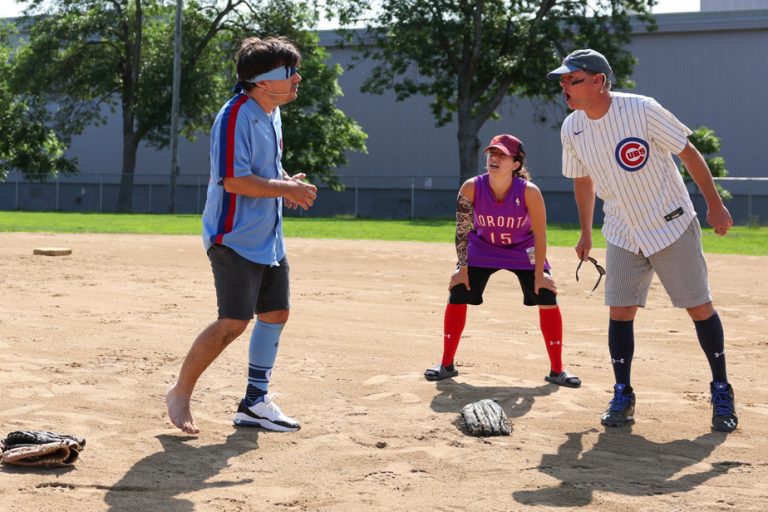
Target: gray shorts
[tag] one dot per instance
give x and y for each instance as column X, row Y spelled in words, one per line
column 681, row 268
column 244, row 287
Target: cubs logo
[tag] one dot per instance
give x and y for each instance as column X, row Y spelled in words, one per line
column 632, row 154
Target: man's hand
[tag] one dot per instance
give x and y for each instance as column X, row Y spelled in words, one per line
column 301, row 194
column 720, row 218
column 459, row 276
column 584, row 247
column 544, row 281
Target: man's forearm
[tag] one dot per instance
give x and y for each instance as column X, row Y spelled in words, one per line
column 584, row 193
column 700, row 173
column 255, row 186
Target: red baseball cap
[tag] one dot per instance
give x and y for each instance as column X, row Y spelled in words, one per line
column 507, row 144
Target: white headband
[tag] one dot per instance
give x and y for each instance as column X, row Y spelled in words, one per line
column 281, row 73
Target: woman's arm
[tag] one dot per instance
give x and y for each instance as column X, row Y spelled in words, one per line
column 538, row 214
column 464, row 213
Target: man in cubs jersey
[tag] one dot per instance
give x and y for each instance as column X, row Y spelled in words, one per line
column 619, row 146
column 501, row 223
column 243, row 232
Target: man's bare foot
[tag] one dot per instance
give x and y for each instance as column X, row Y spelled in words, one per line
column 179, row 412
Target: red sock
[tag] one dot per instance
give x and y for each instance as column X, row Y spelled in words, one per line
column 453, row 326
column 551, row 323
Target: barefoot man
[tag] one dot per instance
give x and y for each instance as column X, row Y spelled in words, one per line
column 243, row 232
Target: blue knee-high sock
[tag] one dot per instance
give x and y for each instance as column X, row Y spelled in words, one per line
column 712, row 341
column 621, row 345
column 261, row 357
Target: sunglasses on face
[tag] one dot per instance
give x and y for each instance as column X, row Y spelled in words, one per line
column 573, row 82
column 600, row 271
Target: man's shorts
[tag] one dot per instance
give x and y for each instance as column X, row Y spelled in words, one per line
column 681, row 269
column 478, row 278
column 244, row 287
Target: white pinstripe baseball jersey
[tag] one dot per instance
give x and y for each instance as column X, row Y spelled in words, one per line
column 628, row 155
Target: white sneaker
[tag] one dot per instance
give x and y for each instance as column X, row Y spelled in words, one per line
column 265, row 414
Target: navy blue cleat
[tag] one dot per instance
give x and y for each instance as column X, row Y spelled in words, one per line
column 621, row 409
column 723, row 407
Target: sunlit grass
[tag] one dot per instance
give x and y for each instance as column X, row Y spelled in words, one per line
column 740, row 239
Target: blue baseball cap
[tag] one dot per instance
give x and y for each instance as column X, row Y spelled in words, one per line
column 585, row 60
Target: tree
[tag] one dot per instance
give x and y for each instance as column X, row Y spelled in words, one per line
column 468, row 55
column 92, row 57
column 26, row 141
column 708, row 144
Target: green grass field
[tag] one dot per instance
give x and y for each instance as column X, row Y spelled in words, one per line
column 740, row 240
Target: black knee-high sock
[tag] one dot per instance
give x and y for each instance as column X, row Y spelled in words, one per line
column 712, row 341
column 621, row 344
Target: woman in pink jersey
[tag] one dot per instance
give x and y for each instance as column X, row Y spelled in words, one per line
column 501, row 223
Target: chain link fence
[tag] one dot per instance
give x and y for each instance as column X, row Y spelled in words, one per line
column 395, row 197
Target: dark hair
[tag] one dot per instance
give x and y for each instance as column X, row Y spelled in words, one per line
column 257, row 56
column 522, row 171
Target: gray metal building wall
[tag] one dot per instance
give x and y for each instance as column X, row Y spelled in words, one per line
column 722, row 5
column 708, row 68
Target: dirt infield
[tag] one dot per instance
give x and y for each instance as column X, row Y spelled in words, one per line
column 89, row 343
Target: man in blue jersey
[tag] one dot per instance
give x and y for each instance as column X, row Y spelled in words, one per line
column 243, row 232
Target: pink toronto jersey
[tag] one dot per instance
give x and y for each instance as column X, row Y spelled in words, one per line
column 501, row 236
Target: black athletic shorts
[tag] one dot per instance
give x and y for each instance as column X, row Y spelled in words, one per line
column 244, row 287
column 478, row 278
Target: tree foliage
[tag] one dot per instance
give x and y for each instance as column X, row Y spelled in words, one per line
column 26, row 142
column 708, row 144
column 92, row 58
column 467, row 56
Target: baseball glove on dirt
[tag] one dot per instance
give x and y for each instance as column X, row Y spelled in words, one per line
column 485, row 418
column 40, row 449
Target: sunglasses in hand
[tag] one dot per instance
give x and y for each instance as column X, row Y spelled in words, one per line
column 600, row 271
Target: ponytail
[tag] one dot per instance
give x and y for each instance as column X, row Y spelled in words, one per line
column 522, row 171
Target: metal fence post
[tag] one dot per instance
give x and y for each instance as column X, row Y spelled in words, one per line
column 101, row 193
column 413, row 197
column 17, row 191
column 197, row 197
column 149, row 206
column 357, row 198
column 57, row 192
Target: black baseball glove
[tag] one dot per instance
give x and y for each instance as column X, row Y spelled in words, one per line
column 485, row 418
column 40, row 449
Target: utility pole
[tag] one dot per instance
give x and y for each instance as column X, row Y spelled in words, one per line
column 175, row 109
